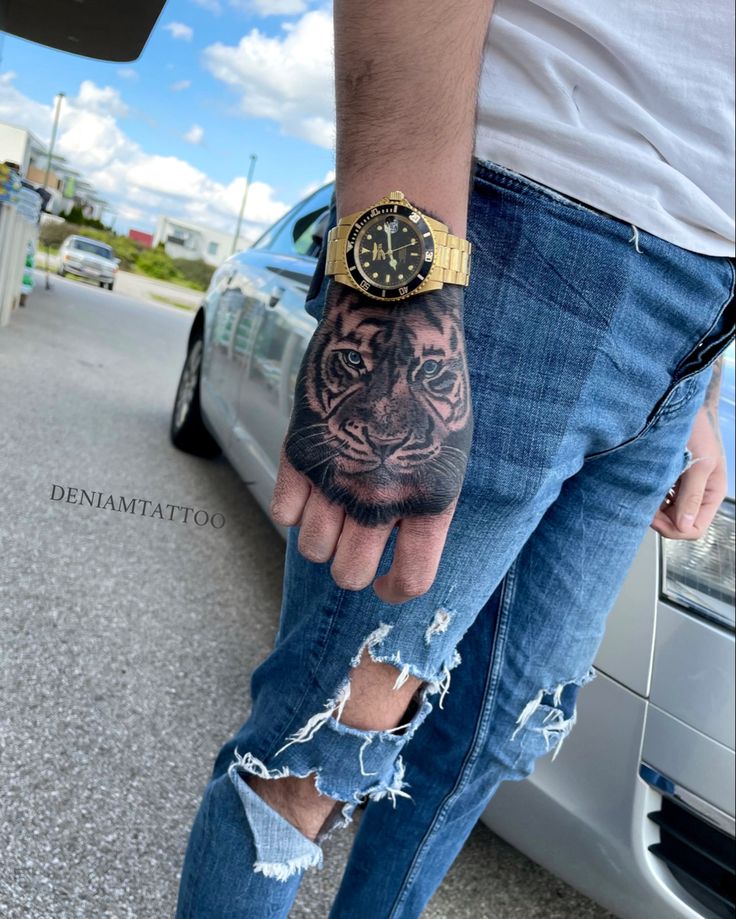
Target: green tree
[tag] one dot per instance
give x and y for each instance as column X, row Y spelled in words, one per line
column 76, row 215
column 128, row 251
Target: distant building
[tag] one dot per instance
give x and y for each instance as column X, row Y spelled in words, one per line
column 19, row 147
column 144, row 239
column 182, row 239
column 65, row 185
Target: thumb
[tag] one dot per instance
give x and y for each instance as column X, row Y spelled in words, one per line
column 690, row 494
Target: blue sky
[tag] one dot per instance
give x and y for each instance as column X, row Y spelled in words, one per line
column 218, row 80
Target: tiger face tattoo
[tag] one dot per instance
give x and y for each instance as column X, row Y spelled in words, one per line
column 382, row 418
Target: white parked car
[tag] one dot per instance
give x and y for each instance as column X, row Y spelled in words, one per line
column 88, row 258
column 637, row 811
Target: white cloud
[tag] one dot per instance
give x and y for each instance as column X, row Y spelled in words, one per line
column 15, row 108
column 285, row 78
column 127, row 73
column 313, row 186
column 212, row 6
column 195, row 134
column 105, row 100
column 180, row 85
column 179, row 30
column 271, row 7
column 140, row 185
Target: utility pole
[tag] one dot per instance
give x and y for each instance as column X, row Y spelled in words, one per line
column 53, row 138
column 251, row 169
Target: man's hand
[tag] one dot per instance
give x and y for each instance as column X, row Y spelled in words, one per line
column 379, row 437
column 702, row 486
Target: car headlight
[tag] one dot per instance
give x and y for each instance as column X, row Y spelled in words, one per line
column 699, row 574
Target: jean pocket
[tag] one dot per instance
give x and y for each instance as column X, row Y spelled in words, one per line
column 491, row 174
column 687, row 378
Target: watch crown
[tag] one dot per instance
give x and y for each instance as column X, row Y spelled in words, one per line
column 396, row 196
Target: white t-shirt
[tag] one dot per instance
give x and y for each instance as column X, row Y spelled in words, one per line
column 625, row 105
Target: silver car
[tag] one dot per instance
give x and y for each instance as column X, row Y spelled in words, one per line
column 88, row 258
column 637, row 811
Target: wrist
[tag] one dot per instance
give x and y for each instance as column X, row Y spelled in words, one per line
column 428, row 189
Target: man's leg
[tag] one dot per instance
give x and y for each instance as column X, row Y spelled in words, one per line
column 564, row 311
column 525, row 658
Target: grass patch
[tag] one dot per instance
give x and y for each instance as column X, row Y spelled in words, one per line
column 171, row 302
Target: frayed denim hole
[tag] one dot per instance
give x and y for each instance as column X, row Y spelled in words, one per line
column 281, row 849
column 547, row 719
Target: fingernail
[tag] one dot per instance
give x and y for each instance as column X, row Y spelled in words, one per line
column 686, row 521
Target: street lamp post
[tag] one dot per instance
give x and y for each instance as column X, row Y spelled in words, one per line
column 251, row 169
column 53, row 138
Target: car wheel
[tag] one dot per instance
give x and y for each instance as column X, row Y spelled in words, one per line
column 103, row 285
column 61, row 272
column 188, row 431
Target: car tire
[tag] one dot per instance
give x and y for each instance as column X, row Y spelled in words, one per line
column 188, row 430
column 109, row 286
column 103, row 285
column 61, row 272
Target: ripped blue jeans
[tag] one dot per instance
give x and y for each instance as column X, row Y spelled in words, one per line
column 589, row 345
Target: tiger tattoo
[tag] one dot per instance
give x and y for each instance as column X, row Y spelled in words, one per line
column 382, row 417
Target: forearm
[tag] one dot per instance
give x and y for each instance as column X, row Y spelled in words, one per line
column 406, row 87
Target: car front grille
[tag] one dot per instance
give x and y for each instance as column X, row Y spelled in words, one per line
column 700, row 856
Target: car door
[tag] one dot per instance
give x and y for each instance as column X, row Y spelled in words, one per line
column 235, row 303
column 283, row 330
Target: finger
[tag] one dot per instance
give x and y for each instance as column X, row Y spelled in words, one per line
column 358, row 554
column 690, row 492
column 289, row 495
column 665, row 526
column 715, row 491
column 320, row 527
column 416, row 558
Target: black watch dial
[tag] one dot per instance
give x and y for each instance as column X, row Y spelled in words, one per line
column 390, row 251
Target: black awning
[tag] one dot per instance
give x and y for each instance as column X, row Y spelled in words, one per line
column 109, row 30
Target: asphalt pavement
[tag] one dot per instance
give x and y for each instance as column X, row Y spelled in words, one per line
column 127, row 641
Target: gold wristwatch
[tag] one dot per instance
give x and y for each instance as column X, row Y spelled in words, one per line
column 393, row 251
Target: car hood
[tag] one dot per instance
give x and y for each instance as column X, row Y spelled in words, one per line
column 90, row 258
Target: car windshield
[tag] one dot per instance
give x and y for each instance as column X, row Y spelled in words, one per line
column 86, row 245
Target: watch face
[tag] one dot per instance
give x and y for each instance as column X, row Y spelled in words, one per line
column 390, row 251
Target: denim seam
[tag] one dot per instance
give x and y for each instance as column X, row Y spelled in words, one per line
column 666, row 404
column 187, row 907
column 333, row 617
column 492, row 679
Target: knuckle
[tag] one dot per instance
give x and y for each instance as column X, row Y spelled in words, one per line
column 411, row 586
column 349, row 580
column 283, row 515
column 313, row 552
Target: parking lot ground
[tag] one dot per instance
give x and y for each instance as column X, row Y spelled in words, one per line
column 137, row 286
column 128, row 641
